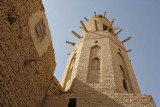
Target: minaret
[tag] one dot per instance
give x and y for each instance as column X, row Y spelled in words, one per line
column 99, row 60
column 99, row 72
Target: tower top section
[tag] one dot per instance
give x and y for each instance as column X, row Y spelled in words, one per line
column 99, row 22
column 101, row 18
column 101, row 25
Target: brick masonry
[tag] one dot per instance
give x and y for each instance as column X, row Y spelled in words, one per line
column 102, row 74
column 27, row 63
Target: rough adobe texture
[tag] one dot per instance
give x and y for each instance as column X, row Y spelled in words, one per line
column 54, row 89
column 25, row 75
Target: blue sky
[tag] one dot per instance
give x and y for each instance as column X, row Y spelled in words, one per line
column 138, row 18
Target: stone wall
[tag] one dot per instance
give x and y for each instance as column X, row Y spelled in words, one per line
column 26, row 63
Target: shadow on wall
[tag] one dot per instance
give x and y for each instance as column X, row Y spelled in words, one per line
column 85, row 97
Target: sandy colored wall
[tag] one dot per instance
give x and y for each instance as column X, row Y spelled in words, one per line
column 26, row 64
column 116, row 48
column 54, row 89
column 75, row 50
column 94, row 98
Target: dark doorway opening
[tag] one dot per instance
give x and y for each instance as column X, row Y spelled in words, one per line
column 72, row 102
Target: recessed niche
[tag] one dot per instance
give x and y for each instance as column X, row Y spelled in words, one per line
column 40, row 29
column 96, row 42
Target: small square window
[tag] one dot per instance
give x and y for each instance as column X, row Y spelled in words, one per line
column 40, row 29
column 105, row 27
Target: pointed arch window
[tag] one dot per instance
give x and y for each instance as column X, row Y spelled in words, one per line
column 126, row 83
column 69, row 71
column 95, row 64
column 94, row 72
column 123, row 72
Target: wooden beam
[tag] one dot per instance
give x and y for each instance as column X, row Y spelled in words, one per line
column 68, row 54
column 116, row 28
column 78, row 36
column 95, row 14
column 129, row 50
column 83, row 26
column 71, row 43
column 86, row 19
column 126, row 39
column 105, row 14
column 118, row 32
column 116, row 36
column 96, row 25
column 109, row 27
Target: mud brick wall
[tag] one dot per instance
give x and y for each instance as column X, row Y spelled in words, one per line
column 24, row 74
column 54, row 90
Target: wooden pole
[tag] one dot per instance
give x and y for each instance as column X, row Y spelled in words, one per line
column 105, row 14
column 86, row 19
column 68, row 54
column 129, row 50
column 96, row 25
column 126, row 39
column 118, row 32
column 76, row 34
column 110, row 25
column 83, row 25
column 95, row 14
column 71, row 43
column 116, row 28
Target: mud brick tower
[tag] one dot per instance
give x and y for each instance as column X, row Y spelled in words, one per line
column 99, row 71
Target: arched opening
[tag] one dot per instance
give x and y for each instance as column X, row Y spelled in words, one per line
column 69, row 71
column 95, row 64
column 123, row 72
column 94, row 72
column 125, row 76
